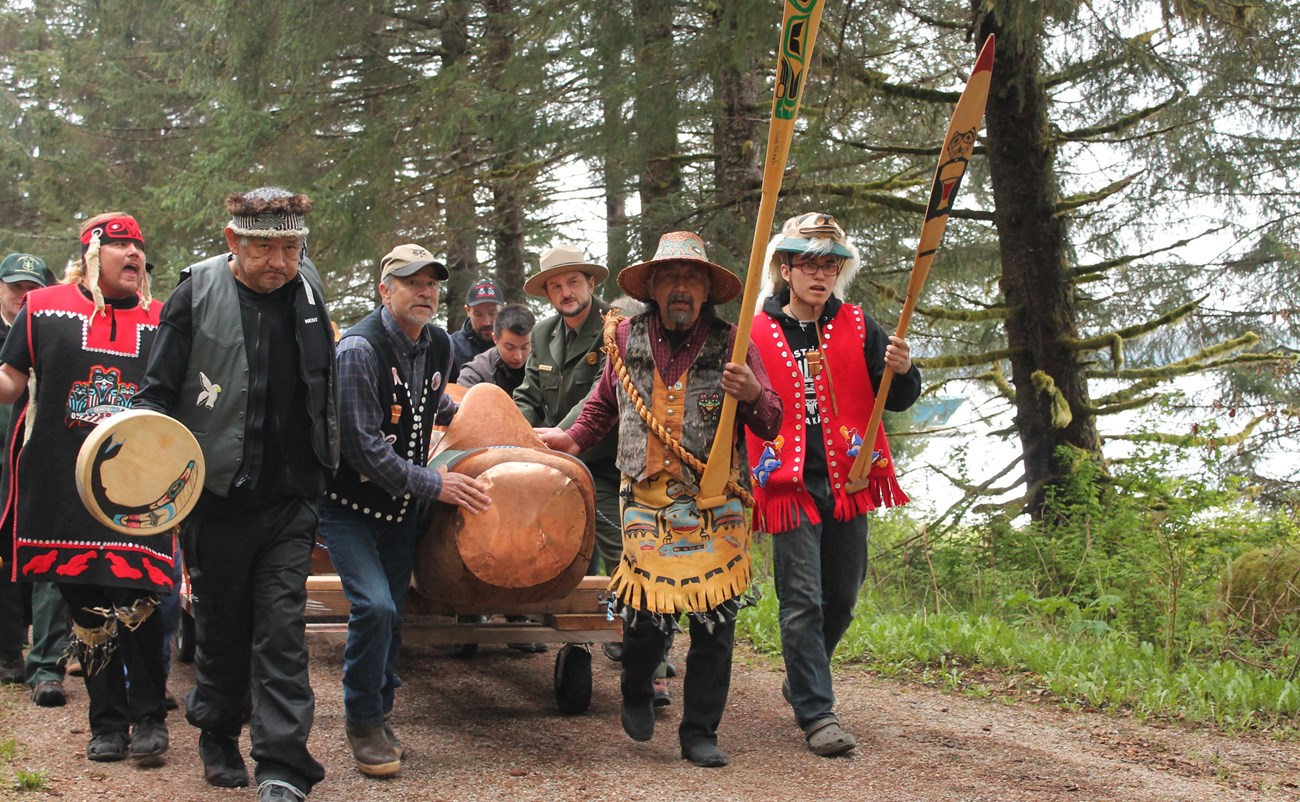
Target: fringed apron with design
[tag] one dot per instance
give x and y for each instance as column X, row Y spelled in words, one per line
column 676, row 557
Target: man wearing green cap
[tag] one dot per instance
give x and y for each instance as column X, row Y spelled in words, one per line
column 20, row 273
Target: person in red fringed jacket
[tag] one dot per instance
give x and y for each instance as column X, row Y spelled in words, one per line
column 825, row 359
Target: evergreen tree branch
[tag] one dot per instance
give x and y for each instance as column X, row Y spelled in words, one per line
column 1124, row 123
column 1086, row 198
column 876, row 81
column 966, row 360
column 1195, row 439
column 1115, row 338
column 1120, row 261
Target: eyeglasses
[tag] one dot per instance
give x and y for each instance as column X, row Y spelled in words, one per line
column 812, row 269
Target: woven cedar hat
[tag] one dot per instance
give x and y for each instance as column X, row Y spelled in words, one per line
column 685, row 248
column 562, row 258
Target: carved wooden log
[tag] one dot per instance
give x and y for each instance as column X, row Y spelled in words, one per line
column 535, row 541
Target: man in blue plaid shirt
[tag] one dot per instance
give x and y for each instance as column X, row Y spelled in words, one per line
column 393, row 369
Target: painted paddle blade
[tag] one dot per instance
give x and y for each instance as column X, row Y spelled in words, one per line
column 954, row 155
column 798, row 34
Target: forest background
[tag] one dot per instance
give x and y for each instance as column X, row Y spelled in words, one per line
column 1114, row 304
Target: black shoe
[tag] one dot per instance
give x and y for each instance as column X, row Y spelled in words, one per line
column 49, row 693
column 661, row 697
column 11, row 672
column 614, row 651
column 149, row 739
column 223, row 765
column 170, row 702
column 529, row 648
column 638, row 720
column 704, row 754
column 107, row 748
column 279, row 791
column 391, row 735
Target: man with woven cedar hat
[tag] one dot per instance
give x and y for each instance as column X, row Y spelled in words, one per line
column 565, row 362
column 245, row 359
column 86, row 342
column 662, row 390
column 826, row 358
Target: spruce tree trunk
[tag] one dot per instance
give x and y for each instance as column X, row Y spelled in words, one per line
column 510, row 185
column 737, row 117
column 460, row 211
column 610, row 44
column 1042, row 325
column 657, row 115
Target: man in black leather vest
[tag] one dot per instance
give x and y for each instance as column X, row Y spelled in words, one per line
column 393, row 372
column 245, row 358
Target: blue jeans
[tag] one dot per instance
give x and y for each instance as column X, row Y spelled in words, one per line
column 374, row 560
column 819, row 570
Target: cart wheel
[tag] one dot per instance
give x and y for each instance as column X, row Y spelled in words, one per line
column 185, row 638
column 573, row 679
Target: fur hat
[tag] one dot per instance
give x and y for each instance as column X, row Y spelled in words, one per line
column 814, row 234
column 268, row 212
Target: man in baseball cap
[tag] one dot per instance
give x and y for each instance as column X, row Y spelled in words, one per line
column 482, row 303
column 392, row 390
column 20, row 273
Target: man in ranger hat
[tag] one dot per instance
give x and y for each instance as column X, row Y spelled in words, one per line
column 392, row 369
column 662, row 391
column 826, row 358
column 483, row 301
column 245, row 359
column 86, row 343
column 565, row 362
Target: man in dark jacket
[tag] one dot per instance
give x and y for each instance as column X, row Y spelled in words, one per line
column 392, row 369
column 21, row 273
column 503, row 363
column 245, row 359
column 482, row 303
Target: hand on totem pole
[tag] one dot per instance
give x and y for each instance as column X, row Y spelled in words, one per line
column 557, row 439
column 463, row 491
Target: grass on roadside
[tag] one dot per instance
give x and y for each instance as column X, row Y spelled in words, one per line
column 23, row 779
column 1104, row 670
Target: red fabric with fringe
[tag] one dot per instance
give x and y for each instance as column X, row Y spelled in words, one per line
column 780, row 498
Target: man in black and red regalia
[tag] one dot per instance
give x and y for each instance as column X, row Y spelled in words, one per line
column 86, row 342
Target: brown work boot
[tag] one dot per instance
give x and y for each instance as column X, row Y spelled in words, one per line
column 372, row 750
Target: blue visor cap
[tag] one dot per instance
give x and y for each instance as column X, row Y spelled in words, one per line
column 806, row 244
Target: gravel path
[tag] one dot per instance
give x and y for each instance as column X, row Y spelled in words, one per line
column 488, row 729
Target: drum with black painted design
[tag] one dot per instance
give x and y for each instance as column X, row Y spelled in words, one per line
column 140, row 472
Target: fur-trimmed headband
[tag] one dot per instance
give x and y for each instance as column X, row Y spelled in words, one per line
column 268, row 212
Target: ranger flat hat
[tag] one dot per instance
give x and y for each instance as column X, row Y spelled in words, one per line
column 562, row 258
